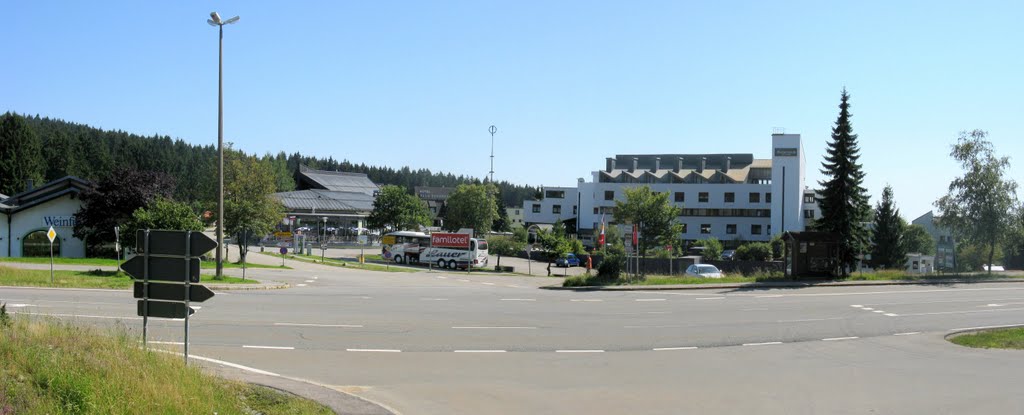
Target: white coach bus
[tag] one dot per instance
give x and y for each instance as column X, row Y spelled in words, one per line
column 443, row 250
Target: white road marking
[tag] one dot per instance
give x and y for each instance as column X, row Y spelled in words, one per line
column 245, row 346
column 892, row 314
column 308, row 281
column 512, row 286
column 900, row 292
column 319, row 325
column 832, row 339
column 518, row 299
column 769, row 296
column 300, row 285
column 991, row 310
column 761, row 344
column 867, row 308
column 809, row 319
column 658, row 349
column 711, row 298
column 375, row 350
column 316, row 278
column 878, row 311
column 986, row 327
column 659, row 312
column 443, row 278
column 910, row 333
column 856, row 305
column 463, row 280
column 434, row 299
column 21, row 305
column 221, row 362
column 480, row 351
column 649, row 299
column 494, row 327
column 992, row 305
column 587, row 300
column 579, row 351
column 653, row 327
column 487, row 283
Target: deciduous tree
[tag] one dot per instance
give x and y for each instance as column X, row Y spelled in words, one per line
column 113, row 201
column 978, row 206
column 652, row 212
column 472, row 206
column 916, row 239
column 395, row 209
column 250, row 211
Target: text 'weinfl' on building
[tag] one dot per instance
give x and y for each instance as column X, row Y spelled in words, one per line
column 731, row 197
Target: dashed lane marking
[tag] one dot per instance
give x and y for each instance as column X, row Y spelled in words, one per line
column 891, row 315
column 580, row 351
column 480, row 351
column 493, row 327
column 586, row 300
column 832, row 339
column 433, row 299
column 649, row 299
column 308, row 281
column 660, row 349
column 991, row 310
column 769, row 296
column 710, row 298
column 518, row 299
column 319, row 325
column 464, row 281
column 809, row 319
column 487, row 283
column 300, row 285
column 911, row 333
column 441, row 277
column 375, row 350
column 761, row 344
column 246, row 346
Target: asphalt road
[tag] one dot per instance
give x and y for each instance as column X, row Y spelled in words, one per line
column 437, row 343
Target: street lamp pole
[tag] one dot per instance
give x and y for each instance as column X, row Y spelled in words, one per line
column 492, row 129
column 216, row 21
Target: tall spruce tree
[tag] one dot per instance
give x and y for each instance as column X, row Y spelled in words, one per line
column 888, row 249
column 844, row 201
column 21, row 156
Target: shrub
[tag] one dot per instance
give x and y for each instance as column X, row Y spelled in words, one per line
column 712, row 249
column 5, row 319
column 611, row 265
column 757, row 251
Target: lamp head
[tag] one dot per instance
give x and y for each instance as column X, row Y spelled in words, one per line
column 215, row 17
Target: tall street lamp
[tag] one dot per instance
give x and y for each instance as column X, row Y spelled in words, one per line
column 215, row 21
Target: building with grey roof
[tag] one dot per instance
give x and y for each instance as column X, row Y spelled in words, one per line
column 308, row 178
column 945, row 244
column 27, row 216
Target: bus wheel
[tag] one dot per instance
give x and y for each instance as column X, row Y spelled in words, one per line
column 440, row 263
column 398, row 259
column 451, row 264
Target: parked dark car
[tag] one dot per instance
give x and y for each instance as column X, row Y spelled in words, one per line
column 728, row 254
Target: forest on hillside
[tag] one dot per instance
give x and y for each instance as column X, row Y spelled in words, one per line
column 67, row 148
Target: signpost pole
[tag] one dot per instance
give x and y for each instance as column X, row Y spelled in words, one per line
column 117, row 246
column 245, row 242
column 145, row 289
column 51, row 262
column 188, row 263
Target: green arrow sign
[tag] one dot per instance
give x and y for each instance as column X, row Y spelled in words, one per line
column 162, row 269
column 174, row 292
column 173, row 243
column 164, row 309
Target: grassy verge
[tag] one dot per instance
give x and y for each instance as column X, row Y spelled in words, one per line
column 85, row 279
column 48, row 367
column 1012, row 338
column 346, row 264
column 106, row 262
column 883, row 275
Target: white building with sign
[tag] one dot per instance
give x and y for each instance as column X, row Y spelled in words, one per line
column 25, row 218
column 731, row 197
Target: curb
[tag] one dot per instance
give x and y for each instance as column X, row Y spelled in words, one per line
column 950, row 336
column 760, row 285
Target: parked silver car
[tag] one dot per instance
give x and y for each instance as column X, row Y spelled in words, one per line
column 703, row 271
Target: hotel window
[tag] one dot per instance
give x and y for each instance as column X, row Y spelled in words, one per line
column 684, row 228
column 574, row 210
column 609, row 195
column 556, row 209
column 536, row 208
column 705, row 228
column 730, row 197
column 809, row 214
column 755, row 197
column 595, row 211
column 702, row 197
column 768, row 197
column 808, row 197
column 730, row 229
column 755, row 229
column 680, row 197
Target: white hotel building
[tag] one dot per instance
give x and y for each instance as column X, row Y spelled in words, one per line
column 732, row 197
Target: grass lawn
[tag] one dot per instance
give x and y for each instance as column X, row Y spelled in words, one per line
column 345, row 264
column 51, row 367
column 883, row 275
column 84, row 279
column 1012, row 338
column 106, row 262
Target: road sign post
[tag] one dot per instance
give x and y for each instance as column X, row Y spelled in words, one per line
column 51, row 235
column 168, row 267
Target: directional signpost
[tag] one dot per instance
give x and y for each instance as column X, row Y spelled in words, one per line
column 165, row 270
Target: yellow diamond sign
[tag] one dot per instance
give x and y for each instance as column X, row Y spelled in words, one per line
column 51, row 234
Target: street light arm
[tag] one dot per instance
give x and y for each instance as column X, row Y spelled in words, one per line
column 211, row 22
column 231, row 20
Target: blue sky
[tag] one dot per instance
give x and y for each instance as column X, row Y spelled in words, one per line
column 566, row 83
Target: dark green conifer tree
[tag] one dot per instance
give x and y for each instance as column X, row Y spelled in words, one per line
column 887, row 248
